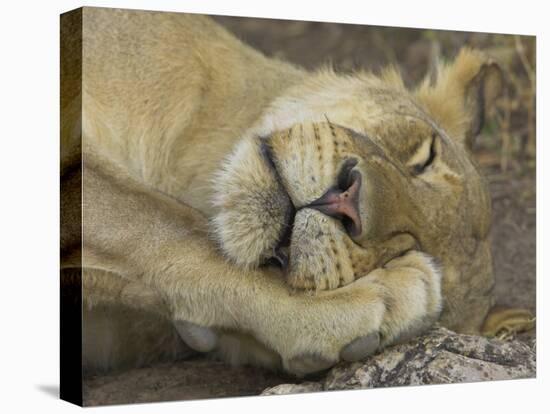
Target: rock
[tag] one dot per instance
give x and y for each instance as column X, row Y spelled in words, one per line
column 439, row 357
column 293, row 388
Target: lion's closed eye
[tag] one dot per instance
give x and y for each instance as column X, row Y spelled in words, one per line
column 424, row 156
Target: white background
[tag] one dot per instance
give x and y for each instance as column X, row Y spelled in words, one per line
column 29, row 218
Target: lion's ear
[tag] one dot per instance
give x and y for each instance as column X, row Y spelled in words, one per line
column 461, row 94
column 480, row 94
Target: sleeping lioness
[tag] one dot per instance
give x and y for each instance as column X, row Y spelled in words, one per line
column 263, row 213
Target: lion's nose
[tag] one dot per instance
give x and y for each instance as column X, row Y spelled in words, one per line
column 343, row 204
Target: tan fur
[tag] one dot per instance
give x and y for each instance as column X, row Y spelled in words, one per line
column 179, row 201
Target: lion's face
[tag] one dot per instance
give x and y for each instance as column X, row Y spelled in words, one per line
column 342, row 188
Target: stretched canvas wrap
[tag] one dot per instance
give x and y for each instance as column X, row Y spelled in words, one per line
column 257, row 207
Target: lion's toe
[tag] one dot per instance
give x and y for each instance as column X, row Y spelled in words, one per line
column 199, row 338
column 361, row 347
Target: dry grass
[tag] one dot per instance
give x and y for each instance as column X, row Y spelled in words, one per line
column 515, row 112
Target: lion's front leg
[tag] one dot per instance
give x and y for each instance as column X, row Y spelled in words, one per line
column 158, row 242
column 307, row 331
column 312, row 333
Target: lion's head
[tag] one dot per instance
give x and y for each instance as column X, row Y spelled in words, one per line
column 344, row 173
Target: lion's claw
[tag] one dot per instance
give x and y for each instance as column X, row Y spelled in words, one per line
column 356, row 350
column 361, row 347
column 308, row 364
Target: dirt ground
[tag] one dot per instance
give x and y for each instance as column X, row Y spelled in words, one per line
column 506, row 153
